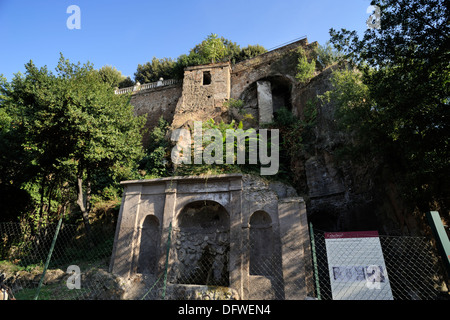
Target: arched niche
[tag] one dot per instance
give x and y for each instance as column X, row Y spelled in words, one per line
column 149, row 245
column 203, row 216
column 202, row 244
column 261, row 244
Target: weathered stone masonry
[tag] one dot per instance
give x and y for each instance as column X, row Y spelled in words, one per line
column 216, row 220
column 214, row 216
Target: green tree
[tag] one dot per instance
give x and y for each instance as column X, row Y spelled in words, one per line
column 114, row 77
column 354, row 111
column 154, row 70
column 32, row 102
column 215, row 49
column 16, row 166
column 74, row 128
column 212, row 49
column 405, row 66
column 249, row 52
column 155, row 162
column 107, row 135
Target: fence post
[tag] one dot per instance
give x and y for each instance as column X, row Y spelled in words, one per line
column 167, row 262
column 443, row 244
column 48, row 258
column 313, row 250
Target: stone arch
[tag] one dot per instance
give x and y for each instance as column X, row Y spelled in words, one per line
column 264, row 97
column 203, row 244
column 149, row 245
column 261, row 244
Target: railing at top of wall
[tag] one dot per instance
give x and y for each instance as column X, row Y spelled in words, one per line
column 139, row 87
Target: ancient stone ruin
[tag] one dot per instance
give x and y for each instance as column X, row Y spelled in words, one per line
column 231, row 231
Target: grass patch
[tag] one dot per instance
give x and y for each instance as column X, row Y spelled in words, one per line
column 57, row 291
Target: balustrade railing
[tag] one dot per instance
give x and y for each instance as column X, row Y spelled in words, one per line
column 139, row 87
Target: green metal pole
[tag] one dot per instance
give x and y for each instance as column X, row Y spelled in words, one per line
column 48, row 258
column 313, row 249
column 167, row 262
column 443, row 243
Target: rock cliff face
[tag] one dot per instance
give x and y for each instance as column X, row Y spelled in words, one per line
column 342, row 194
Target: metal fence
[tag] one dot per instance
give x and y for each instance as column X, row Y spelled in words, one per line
column 75, row 257
column 412, row 265
column 200, row 270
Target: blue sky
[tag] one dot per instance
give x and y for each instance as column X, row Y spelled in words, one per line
column 124, row 34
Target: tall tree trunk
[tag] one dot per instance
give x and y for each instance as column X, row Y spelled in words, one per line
column 82, row 202
column 37, row 228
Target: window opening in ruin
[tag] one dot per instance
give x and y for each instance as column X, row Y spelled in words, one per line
column 203, row 244
column 206, row 78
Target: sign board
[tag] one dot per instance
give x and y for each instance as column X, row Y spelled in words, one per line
column 356, row 266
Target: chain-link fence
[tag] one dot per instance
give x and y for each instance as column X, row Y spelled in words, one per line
column 411, row 269
column 76, row 257
column 78, row 268
column 200, row 270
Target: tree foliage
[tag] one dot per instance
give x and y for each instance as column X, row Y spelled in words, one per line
column 156, row 160
column 114, row 77
column 69, row 128
column 305, row 67
column 326, row 55
column 249, row 52
column 211, row 50
column 405, row 71
column 154, row 70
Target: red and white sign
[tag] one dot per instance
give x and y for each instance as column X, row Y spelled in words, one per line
column 356, row 266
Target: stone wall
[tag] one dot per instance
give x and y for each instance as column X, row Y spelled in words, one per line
column 205, row 90
column 212, row 222
column 279, row 62
column 201, row 258
column 267, row 82
column 155, row 103
column 339, row 195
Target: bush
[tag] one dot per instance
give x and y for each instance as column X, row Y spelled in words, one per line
column 305, row 69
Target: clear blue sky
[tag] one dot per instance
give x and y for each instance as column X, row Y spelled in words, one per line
column 124, row 34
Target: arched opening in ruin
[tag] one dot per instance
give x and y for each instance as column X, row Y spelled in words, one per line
column 149, row 246
column 264, row 98
column 281, row 93
column 261, row 244
column 203, row 245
